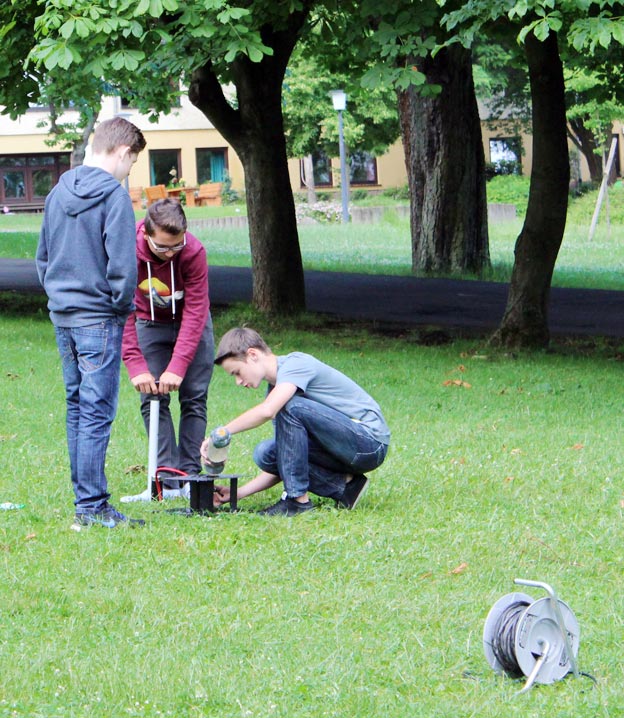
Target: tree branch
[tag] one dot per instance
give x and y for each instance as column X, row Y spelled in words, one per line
column 206, row 93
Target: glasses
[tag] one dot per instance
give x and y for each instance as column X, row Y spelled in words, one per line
column 162, row 248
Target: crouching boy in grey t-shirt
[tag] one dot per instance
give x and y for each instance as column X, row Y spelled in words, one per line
column 328, row 430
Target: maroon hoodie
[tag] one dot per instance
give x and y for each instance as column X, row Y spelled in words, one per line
column 179, row 293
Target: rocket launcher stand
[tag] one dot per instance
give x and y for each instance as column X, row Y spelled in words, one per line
column 201, row 485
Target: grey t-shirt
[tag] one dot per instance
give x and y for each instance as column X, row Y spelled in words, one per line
column 320, row 382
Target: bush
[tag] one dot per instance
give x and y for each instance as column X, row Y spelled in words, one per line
column 400, row 193
column 509, row 189
column 229, row 195
column 319, row 212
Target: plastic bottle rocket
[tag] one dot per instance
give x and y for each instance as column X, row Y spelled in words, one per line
column 218, row 443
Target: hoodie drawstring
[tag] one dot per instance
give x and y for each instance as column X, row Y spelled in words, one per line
column 152, row 289
column 172, row 291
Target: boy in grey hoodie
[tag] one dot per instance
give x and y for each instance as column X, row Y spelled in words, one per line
column 86, row 264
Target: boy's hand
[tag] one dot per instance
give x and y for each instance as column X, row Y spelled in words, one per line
column 203, row 450
column 145, row 383
column 169, row 382
column 221, row 495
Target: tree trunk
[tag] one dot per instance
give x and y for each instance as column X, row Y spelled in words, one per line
column 525, row 322
column 79, row 147
column 255, row 131
column 308, row 178
column 584, row 140
column 446, row 168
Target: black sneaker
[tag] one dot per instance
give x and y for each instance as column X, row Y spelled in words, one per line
column 108, row 517
column 354, row 489
column 287, row 507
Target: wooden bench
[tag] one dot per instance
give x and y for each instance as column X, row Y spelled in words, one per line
column 154, row 193
column 209, row 194
column 34, row 206
column 136, row 195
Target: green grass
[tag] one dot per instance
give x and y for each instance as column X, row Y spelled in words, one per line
column 385, row 248
column 337, row 614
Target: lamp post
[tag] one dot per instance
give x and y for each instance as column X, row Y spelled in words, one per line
column 339, row 100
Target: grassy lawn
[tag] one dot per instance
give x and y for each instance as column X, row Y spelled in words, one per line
column 516, row 472
column 385, row 248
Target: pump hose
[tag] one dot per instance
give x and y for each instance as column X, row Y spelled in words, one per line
column 504, row 638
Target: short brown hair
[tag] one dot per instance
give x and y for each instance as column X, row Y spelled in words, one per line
column 113, row 133
column 235, row 343
column 165, row 214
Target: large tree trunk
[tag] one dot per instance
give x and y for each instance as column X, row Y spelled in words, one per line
column 446, row 168
column 256, row 132
column 525, row 322
column 583, row 138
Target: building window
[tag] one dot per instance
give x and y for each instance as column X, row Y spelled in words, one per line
column 363, row 168
column 164, row 166
column 27, row 178
column 211, row 164
column 506, row 155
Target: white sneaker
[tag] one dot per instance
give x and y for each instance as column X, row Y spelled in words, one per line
column 183, row 493
column 143, row 496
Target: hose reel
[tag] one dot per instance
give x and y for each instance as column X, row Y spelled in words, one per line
column 538, row 639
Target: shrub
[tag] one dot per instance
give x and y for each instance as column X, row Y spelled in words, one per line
column 229, row 195
column 359, row 194
column 509, row 189
column 319, row 212
column 400, row 193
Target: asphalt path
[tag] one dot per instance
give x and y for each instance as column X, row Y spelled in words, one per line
column 399, row 301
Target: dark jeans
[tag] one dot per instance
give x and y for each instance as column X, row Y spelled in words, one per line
column 157, row 341
column 314, row 448
column 91, row 358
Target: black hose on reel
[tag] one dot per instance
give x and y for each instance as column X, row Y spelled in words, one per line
column 504, row 638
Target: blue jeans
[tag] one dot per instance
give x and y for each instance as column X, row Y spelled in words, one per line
column 157, row 341
column 91, row 358
column 314, row 448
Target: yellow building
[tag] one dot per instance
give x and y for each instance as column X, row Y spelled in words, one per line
column 185, row 146
column 181, row 146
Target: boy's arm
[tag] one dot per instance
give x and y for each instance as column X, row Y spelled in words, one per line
column 42, row 254
column 258, row 415
column 133, row 358
column 261, row 482
column 266, row 411
column 120, row 243
column 195, row 314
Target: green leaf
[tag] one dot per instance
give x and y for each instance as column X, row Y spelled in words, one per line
column 84, row 27
column 255, row 55
column 67, row 28
column 604, row 37
column 231, row 54
column 67, row 57
column 542, row 30
column 5, row 29
column 141, row 8
column 155, row 8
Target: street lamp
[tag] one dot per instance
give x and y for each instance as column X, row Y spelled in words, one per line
column 339, row 100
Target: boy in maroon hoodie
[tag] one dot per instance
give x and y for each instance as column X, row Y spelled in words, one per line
column 168, row 343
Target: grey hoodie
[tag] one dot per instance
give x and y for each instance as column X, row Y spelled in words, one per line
column 86, row 255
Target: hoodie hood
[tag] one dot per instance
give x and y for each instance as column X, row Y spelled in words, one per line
column 84, row 188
